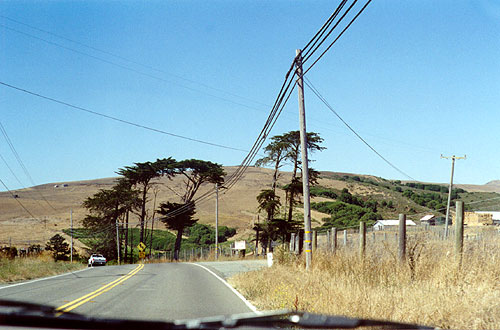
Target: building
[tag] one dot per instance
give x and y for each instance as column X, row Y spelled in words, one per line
column 390, row 224
column 429, row 219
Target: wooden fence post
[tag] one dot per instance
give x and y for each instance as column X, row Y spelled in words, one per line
column 300, row 238
column 315, row 240
column 459, row 231
column 328, row 240
column 292, row 242
column 345, row 237
column 334, row 239
column 362, row 238
column 402, row 237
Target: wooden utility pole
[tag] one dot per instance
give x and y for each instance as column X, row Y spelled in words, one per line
column 402, row 237
column 216, row 221
column 71, row 220
column 117, row 242
column 305, row 167
column 447, row 221
column 459, row 231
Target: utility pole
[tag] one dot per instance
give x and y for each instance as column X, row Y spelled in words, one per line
column 257, row 237
column 117, row 242
column 216, row 221
column 449, row 191
column 71, row 220
column 305, row 164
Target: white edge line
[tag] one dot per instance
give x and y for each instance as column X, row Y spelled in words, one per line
column 249, row 304
column 41, row 279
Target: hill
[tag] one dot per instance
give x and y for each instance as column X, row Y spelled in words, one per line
column 50, row 204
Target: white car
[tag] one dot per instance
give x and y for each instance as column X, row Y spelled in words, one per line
column 97, row 260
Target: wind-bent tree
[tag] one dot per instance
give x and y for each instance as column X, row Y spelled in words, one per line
column 294, row 157
column 141, row 175
column 106, row 207
column 178, row 216
column 276, row 152
column 285, row 150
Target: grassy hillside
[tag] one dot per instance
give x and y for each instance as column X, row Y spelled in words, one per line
column 237, row 207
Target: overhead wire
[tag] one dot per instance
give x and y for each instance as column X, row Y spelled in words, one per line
column 116, row 118
column 21, row 163
column 127, row 67
column 323, row 28
column 338, row 37
column 127, row 59
column 18, row 201
column 308, row 54
column 325, row 102
column 19, row 181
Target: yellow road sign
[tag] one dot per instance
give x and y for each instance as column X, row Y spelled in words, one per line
column 142, row 254
column 141, row 246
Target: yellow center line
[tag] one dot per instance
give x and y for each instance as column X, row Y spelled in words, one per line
column 82, row 300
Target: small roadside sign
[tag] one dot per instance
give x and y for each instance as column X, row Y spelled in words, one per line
column 240, row 245
column 141, row 246
column 142, row 254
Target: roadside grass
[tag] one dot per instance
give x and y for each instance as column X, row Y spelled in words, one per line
column 429, row 288
column 21, row 269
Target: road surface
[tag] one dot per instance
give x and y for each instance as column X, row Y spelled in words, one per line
column 162, row 292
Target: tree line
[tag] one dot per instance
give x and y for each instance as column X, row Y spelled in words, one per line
column 131, row 194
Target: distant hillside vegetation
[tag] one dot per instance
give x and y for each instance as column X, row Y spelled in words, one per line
column 372, row 198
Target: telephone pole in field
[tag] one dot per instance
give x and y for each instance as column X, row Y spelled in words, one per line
column 216, row 221
column 305, row 164
column 447, row 221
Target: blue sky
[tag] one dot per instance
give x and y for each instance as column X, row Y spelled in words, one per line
column 414, row 78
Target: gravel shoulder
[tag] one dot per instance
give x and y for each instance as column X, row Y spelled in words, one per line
column 226, row 269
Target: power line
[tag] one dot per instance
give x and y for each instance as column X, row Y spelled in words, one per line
column 338, row 37
column 127, row 59
column 18, row 201
column 325, row 102
column 129, row 68
column 17, row 179
column 323, row 29
column 308, row 55
column 19, row 160
column 117, row 119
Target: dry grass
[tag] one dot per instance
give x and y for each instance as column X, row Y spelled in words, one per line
column 436, row 291
column 20, row 269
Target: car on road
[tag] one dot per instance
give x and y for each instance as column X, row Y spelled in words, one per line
column 97, row 260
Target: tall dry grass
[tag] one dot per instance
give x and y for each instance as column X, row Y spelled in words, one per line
column 431, row 287
column 20, row 269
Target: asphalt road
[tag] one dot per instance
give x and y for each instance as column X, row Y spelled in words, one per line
column 164, row 292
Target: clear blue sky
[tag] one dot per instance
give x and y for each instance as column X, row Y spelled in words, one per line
column 414, row 78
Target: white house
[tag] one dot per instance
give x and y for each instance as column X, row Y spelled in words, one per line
column 387, row 224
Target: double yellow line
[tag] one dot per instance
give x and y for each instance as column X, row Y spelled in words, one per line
column 82, row 300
